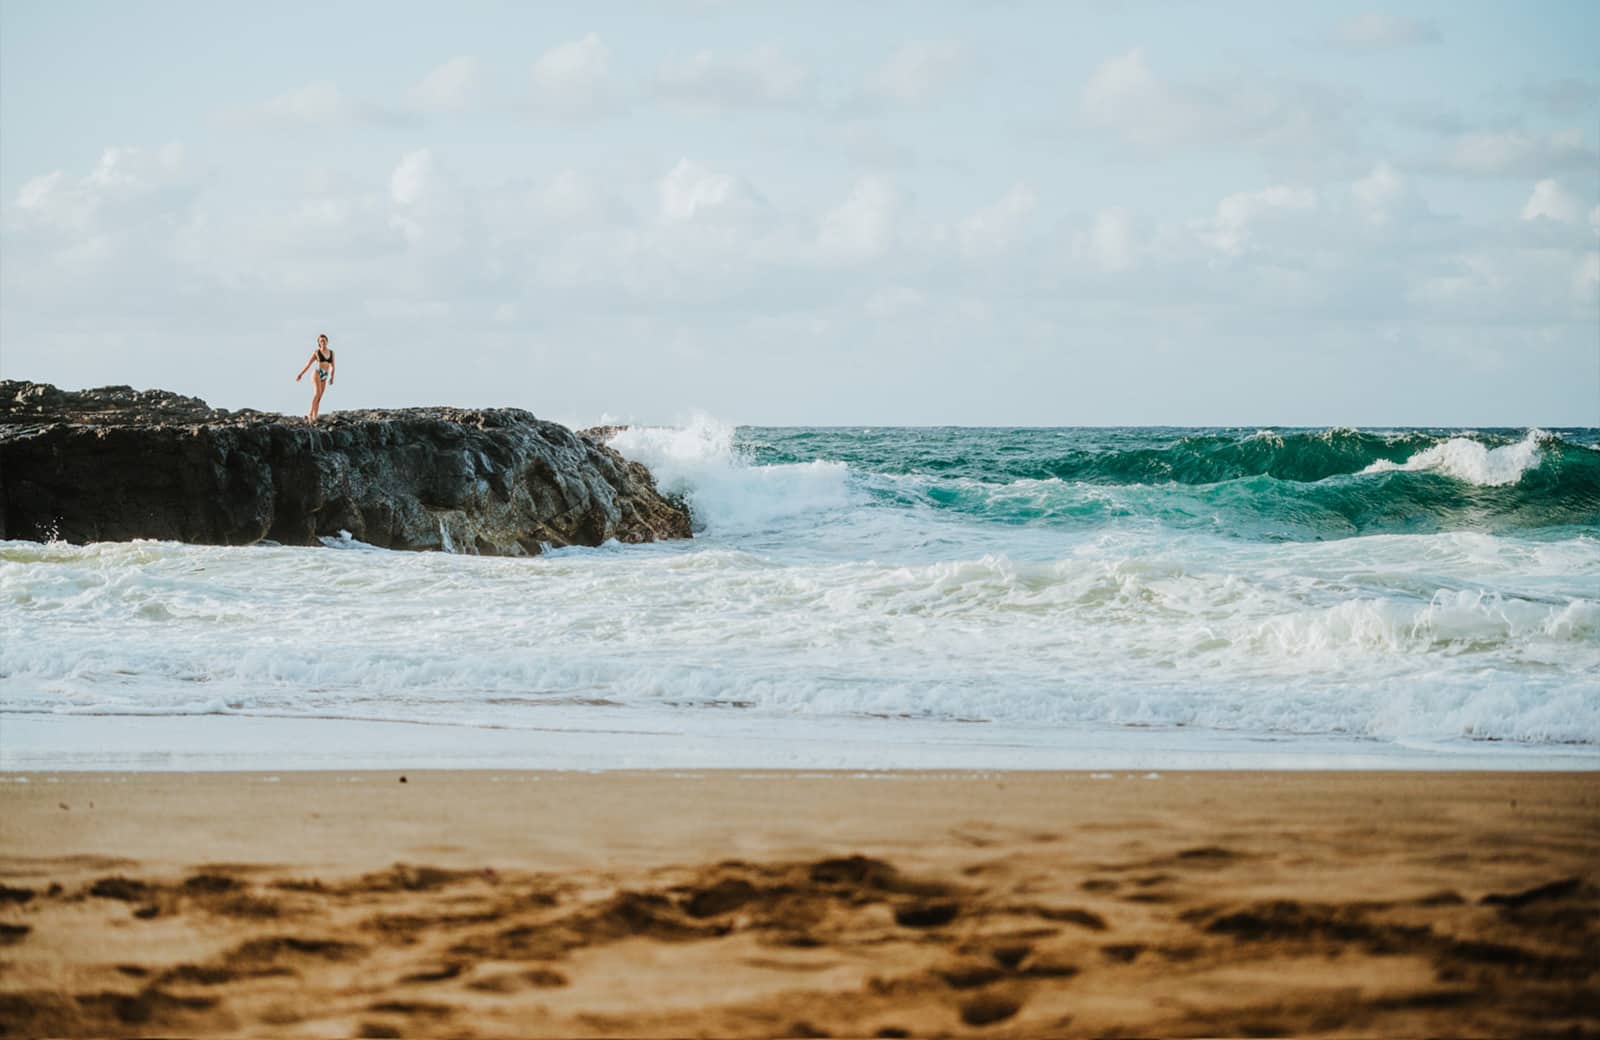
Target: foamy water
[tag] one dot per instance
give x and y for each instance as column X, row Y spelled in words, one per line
column 1472, row 461
column 936, row 584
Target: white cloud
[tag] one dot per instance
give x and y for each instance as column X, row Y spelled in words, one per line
column 919, row 70
column 864, row 225
column 1462, row 280
column 693, row 192
column 1586, row 280
column 1125, row 97
column 126, row 185
column 1376, row 31
column 1553, row 202
column 429, row 209
column 1504, row 286
column 414, row 178
column 111, row 236
column 573, row 79
column 314, row 105
column 452, row 87
column 1110, row 243
column 578, row 199
column 40, row 195
column 1122, row 86
column 1518, row 153
column 1239, row 215
column 318, row 103
column 1377, row 194
column 998, row 226
column 763, row 77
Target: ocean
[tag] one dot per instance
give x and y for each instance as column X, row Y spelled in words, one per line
column 874, row 597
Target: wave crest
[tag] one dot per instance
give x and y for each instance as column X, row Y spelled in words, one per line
column 1263, row 484
column 1472, row 461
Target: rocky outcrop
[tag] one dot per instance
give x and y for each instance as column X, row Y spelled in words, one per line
column 602, row 433
column 117, row 463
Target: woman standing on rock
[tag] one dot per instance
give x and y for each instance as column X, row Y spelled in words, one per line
column 322, row 357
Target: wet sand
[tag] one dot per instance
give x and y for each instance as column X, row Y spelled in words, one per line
column 729, row 904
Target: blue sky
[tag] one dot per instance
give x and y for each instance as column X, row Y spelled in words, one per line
column 985, row 212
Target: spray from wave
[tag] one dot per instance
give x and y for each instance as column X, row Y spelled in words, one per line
column 1441, row 585
column 1472, row 461
column 725, row 492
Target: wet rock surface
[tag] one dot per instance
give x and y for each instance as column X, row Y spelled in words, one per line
column 114, row 463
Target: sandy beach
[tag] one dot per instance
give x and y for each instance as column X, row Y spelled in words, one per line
column 801, row 904
column 731, row 520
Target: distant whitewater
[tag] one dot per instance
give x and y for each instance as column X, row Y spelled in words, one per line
column 1395, row 586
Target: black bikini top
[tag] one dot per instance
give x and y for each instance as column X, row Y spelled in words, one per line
column 325, row 360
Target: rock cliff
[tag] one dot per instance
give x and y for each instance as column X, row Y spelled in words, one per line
column 117, row 463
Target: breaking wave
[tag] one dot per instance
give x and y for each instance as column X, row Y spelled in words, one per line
column 1439, row 585
column 1299, row 485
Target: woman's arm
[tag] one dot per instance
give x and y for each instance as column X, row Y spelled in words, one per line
column 333, row 366
column 312, row 358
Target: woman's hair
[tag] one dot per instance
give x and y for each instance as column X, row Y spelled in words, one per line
column 322, row 336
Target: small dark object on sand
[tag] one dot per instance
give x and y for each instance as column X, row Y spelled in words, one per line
column 926, row 915
column 988, row 1008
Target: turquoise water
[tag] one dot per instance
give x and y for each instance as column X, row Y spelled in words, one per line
column 1435, row 589
column 1292, row 484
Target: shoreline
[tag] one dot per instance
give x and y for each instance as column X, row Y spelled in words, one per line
column 738, row 903
column 598, row 739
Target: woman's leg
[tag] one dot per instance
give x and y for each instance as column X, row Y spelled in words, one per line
column 316, row 401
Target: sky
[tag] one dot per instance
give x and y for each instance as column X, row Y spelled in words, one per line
column 923, row 213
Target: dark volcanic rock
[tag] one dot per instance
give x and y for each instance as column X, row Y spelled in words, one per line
column 601, row 433
column 117, row 463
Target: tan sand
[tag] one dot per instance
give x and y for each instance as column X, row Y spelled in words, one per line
column 728, row 904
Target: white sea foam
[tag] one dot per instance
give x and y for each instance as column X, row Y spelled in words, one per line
column 1414, row 637
column 1471, row 461
column 816, row 593
column 699, row 463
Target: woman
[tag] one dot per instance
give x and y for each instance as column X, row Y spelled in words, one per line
column 322, row 357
